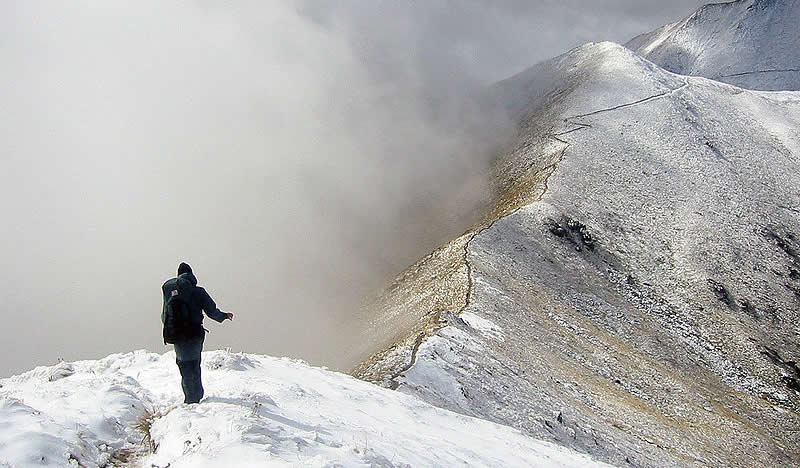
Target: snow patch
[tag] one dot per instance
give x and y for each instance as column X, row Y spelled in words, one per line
column 487, row 327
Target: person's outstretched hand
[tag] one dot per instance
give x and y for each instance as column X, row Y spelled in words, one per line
column 230, row 315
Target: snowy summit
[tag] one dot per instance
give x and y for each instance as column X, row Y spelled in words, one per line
column 126, row 410
column 747, row 43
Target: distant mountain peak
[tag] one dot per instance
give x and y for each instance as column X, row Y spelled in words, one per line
column 747, row 43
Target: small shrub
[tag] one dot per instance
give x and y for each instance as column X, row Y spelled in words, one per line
column 143, row 424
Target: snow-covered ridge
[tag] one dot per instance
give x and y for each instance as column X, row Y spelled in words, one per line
column 749, row 43
column 634, row 291
column 258, row 411
column 590, row 65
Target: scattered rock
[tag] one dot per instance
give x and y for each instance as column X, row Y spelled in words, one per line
column 791, row 383
column 792, row 380
column 751, row 310
column 722, row 293
column 573, row 230
column 787, row 243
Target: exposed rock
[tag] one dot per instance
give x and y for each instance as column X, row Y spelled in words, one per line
column 722, row 293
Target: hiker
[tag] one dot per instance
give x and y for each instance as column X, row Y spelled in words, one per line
column 182, row 316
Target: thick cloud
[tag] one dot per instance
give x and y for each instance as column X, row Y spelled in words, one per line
column 444, row 41
column 296, row 154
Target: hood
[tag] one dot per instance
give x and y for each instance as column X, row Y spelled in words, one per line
column 190, row 277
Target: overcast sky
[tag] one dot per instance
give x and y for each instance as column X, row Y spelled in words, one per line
column 297, row 154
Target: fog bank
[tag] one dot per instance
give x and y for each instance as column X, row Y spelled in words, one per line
column 296, row 154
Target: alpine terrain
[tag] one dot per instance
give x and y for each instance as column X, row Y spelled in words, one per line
column 634, row 293
column 631, row 297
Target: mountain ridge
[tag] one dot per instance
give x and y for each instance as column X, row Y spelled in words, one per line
column 632, row 293
column 625, row 179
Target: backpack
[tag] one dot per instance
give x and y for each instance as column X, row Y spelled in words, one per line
column 178, row 325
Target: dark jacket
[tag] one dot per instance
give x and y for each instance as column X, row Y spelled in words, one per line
column 200, row 302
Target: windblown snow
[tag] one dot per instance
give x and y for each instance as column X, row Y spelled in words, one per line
column 258, row 411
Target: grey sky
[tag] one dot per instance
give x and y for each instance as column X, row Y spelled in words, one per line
column 295, row 153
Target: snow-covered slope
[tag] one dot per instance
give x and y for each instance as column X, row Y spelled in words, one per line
column 748, row 43
column 635, row 292
column 258, row 411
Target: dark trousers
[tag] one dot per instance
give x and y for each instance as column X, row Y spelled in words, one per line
column 190, row 381
column 187, row 355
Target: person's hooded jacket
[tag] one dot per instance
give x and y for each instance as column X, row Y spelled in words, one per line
column 200, row 302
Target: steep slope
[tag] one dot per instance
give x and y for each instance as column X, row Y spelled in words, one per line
column 748, row 43
column 258, row 411
column 635, row 291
